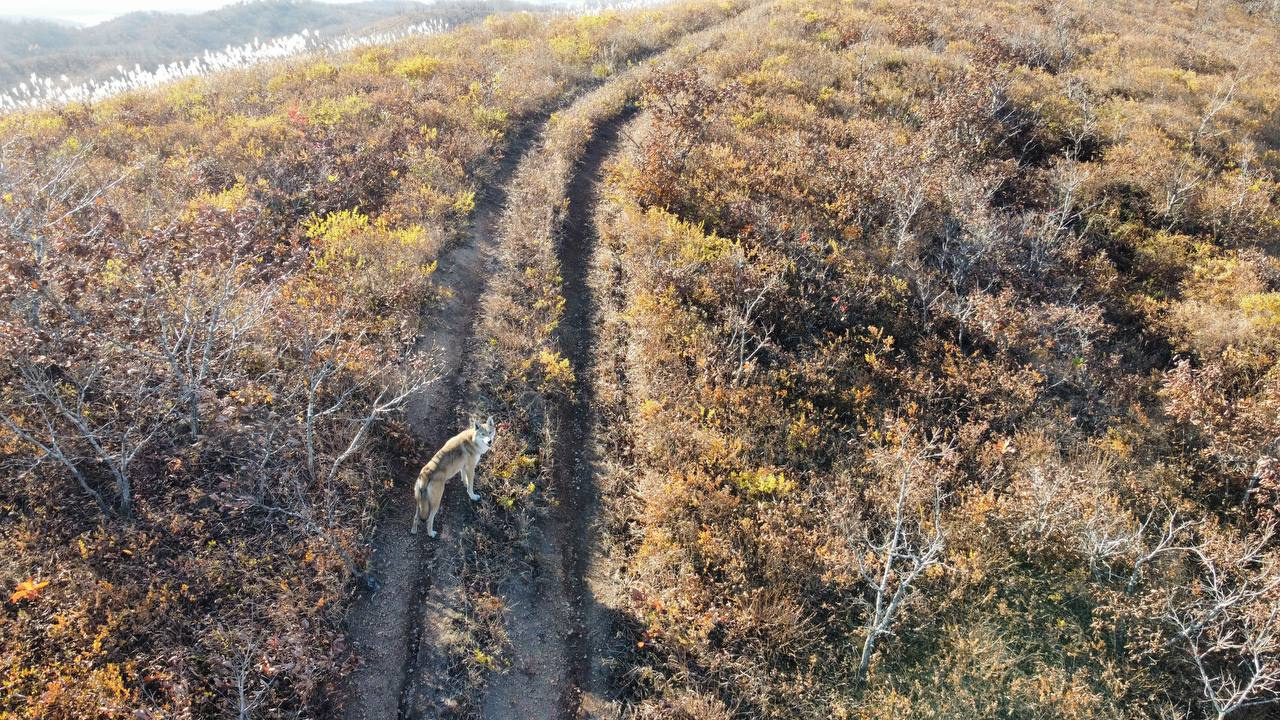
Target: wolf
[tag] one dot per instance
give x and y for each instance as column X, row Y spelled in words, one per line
column 459, row 455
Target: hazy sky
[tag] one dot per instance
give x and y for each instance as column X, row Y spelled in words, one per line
column 87, row 12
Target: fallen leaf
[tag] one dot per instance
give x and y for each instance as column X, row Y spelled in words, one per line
column 27, row 590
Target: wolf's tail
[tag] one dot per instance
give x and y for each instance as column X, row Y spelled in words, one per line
column 424, row 476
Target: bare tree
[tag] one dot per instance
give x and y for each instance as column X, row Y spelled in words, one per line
column 55, row 413
column 906, row 205
column 1223, row 95
column 1085, row 131
column 1238, row 217
column 1229, row 624
column 63, row 398
column 746, row 339
column 1059, row 225
column 204, row 320
column 1178, row 189
column 1122, row 554
column 894, row 553
column 350, row 415
column 324, row 355
column 45, row 196
column 1060, row 36
column 246, row 700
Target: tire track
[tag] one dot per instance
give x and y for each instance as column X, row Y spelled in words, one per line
column 562, row 636
column 550, row 614
column 575, row 449
column 408, row 629
column 383, row 626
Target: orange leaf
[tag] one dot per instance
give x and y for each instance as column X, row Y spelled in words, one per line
column 27, row 590
column 51, row 693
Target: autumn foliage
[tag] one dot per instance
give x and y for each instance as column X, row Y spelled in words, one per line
column 943, row 374
column 935, row 370
column 209, row 296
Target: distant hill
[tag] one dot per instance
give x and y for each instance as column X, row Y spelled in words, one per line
column 51, row 49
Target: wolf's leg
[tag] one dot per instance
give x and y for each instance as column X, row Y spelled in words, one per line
column 419, row 502
column 469, row 477
column 435, row 493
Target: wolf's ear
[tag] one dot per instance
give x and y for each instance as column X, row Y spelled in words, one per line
column 489, row 422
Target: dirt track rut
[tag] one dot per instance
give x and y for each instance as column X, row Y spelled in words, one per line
column 401, row 630
column 553, row 622
column 561, row 637
column 384, row 626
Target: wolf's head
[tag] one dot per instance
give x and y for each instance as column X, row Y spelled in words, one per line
column 486, row 433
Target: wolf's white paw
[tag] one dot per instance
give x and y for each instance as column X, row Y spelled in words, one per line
column 474, row 497
column 432, row 533
column 413, row 531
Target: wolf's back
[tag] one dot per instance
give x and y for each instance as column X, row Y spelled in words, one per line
column 447, row 454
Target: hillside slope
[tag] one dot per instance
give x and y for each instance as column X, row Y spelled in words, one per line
column 210, row 299
column 941, row 372
column 149, row 39
column 852, row 358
